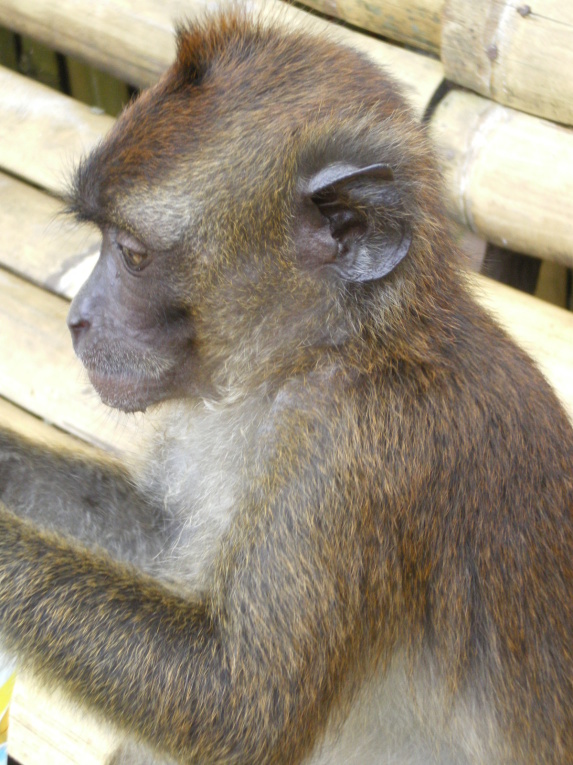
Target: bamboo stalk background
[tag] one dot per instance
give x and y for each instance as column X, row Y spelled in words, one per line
column 508, row 176
column 516, row 53
column 42, row 131
column 415, row 22
column 134, row 40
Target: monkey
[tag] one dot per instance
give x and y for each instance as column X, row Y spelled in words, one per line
column 349, row 538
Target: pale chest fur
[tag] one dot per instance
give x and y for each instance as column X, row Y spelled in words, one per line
column 406, row 715
column 195, row 474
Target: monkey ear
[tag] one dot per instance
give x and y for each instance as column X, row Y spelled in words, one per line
column 361, row 231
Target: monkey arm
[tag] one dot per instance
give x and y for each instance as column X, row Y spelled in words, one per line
column 131, row 640
column 233, row 678
column 87, row 496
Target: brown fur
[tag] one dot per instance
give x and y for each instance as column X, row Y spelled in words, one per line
column 398, row 475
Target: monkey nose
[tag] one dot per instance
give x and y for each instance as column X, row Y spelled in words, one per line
column 78, row 326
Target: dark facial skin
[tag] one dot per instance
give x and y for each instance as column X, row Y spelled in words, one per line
column 134, row 339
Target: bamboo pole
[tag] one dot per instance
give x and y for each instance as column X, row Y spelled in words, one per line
column 39, row 243
column 414, row 22
column 133, row 39
column 508, row 176
column 35, row 429
column 517, row 53
column 42, row 131
column 46, row 731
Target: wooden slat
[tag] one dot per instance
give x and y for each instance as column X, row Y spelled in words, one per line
column 520, row 54
column 133, row 39
column 39, row 243
column 415, row 22
column 39, row 371
column 14, row 418
column 509, row 176
column 42, row 131
column 44, row 730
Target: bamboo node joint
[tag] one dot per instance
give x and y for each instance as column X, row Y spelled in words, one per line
column 524, row 10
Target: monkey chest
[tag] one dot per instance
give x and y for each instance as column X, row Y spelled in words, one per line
column 196, row 480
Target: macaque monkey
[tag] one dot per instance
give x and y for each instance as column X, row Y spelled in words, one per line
column 350, row 540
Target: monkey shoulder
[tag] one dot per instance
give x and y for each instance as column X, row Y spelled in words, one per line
column 487, row 370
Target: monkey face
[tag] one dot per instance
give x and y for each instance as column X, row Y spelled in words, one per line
column 130, row 332
column 239, row 221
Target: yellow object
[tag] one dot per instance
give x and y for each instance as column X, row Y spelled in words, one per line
column 7, row 680
column 6, row 690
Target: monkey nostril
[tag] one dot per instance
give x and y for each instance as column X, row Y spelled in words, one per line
column 78, row 328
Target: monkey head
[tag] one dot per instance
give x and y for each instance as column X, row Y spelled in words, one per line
column 243, row 203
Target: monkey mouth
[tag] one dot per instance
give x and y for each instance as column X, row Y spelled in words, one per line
column 124, row 391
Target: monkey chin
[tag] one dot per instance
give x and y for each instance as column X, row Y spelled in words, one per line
column 127, row 393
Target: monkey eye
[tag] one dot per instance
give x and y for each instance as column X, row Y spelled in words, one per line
column 135, row 260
